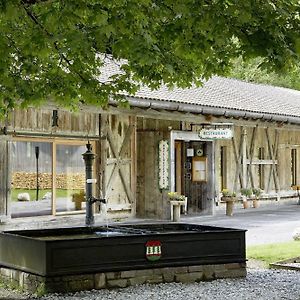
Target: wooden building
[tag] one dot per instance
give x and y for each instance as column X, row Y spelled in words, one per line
column 198, row 141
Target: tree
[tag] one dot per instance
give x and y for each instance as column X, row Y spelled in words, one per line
column 251, row 71
column 54, row 49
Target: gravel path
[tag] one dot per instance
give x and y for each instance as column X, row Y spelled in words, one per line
column 259, row 284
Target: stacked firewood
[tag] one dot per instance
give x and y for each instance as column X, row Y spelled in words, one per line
column 27, row 180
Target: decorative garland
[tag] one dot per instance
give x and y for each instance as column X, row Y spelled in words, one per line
column 163, row 164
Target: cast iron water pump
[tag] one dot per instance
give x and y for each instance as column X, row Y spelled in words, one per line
column 89, row 157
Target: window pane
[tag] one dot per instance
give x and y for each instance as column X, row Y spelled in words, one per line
column 70, row 178
column 31, row 178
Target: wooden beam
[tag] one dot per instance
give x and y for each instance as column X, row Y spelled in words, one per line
column 262, row 162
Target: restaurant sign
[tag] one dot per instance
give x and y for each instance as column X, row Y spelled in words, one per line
column 216, row 133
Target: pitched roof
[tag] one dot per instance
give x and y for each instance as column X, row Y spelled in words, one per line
column 234, row 94
column 221, row 93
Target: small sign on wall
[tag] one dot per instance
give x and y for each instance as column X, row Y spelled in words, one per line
column 190, row 152
column 199, row 169
column 163, row 164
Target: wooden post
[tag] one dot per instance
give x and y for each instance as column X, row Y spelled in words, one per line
column 133, row 154
column 5, row 178
column 103, row 156
column 244, row 158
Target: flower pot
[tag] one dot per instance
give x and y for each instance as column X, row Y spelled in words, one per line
column 245, row 204
column 255, row 203
column 229, row 205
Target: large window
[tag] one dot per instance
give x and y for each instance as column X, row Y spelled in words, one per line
column 48, row 177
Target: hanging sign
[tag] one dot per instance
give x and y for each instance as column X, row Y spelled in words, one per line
column 163, row 164
column 215, row 133
column 153, row 250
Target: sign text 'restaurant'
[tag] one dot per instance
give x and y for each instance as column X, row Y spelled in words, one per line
column 215, row 133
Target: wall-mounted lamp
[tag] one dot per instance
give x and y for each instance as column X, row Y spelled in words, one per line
column 54, row 118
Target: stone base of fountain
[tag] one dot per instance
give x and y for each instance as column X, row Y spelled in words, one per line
column 72, row 259
column 71, row 283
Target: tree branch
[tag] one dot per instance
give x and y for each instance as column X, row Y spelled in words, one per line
column 36, row 21
column 31, row 2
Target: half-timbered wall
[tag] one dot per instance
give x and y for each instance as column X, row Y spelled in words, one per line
column 260, row 156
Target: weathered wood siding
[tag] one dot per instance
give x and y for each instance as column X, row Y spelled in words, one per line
column 151, row 201
column 40, row 120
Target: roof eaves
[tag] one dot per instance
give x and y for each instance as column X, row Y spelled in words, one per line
column 149, row 103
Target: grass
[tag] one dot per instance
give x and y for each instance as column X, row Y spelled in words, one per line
column 32, row 193
column 271, row 253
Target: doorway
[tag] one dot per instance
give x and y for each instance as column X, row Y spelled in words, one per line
column 192, row 175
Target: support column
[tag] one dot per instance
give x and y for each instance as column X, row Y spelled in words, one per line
column 5, row 178
column 244, row 158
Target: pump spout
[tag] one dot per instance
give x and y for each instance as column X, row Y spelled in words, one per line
column 92, row 200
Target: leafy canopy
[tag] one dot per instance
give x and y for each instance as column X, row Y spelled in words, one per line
column 252, row 71
column 54, row 49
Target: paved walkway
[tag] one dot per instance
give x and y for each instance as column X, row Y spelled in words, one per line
column 269, row 224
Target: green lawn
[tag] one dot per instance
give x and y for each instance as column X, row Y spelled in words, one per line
column 32, row 193
column 271, row 253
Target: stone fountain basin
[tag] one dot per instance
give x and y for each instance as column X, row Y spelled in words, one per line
column 80, row 250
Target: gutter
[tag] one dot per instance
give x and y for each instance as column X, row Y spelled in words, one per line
column 207, row 110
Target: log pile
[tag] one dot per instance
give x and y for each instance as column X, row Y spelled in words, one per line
column 25, row 180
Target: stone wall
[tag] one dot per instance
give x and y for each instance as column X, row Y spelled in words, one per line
column 38, row 284
column 24, row 180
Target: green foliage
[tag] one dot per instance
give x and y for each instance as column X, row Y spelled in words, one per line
column 41, row 290
column 50, row 50
column 271, row 253
column 257, row 192
column 246, row 192
column 228, row 193
column 254, row 70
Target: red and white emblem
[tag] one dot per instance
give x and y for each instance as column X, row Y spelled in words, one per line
column 153, row 250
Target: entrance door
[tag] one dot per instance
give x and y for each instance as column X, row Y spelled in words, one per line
column 192, row 174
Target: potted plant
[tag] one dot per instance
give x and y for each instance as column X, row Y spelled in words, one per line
column 176, row 196
column 246, row 193
column 256, row 192
column 78, row 198
column 229, row 197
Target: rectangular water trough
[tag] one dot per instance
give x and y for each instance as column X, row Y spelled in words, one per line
column 82, row 250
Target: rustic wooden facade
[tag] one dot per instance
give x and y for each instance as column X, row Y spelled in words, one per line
column 262, row 153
